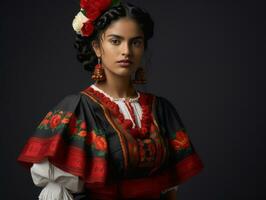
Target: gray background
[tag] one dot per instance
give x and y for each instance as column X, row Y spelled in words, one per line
column 207, row 58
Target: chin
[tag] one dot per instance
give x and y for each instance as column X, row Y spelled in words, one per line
column 124, row 72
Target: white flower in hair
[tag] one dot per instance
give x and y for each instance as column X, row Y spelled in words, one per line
column 78, row 21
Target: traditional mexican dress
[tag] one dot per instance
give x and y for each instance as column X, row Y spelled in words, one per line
column 94, row 145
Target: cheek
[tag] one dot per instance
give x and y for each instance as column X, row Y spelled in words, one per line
column 109, row 51
column 108, row 48
column 138, row 54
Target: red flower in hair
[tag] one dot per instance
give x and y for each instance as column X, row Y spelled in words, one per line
column 84, row 3
column 102, row 5
column 93, row 15
column 87, row 28
column 90, row 11
column 94, row 8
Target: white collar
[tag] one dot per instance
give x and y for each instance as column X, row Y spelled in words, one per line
column 116, row 99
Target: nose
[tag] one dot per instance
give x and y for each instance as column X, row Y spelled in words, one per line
column 126, row 51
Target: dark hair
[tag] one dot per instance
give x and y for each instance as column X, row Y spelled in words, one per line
column 86, row 54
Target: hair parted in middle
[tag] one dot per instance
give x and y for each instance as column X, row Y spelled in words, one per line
column 83, row 44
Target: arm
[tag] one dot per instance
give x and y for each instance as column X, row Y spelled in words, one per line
column 56, row 182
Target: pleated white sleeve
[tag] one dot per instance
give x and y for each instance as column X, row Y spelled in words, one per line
column 58, row 185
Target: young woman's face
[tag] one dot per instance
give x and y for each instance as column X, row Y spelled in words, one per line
column 121, row 47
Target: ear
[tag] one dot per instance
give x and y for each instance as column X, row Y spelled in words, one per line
column 96, row 48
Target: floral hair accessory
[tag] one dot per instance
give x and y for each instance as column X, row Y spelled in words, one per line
column 89, row 12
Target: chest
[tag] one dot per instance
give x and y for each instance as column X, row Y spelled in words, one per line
column 129, row 155
column 135, row 157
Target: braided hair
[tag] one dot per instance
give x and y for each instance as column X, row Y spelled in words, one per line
column 85, row 53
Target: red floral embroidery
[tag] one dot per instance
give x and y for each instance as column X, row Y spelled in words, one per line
column 145, row 103
column 73, row 124
column 100, row 143
column 59, row 119
column 59, row 122
column 90, row 137
column 82, row 133
column 44, row 122
column 55, row 121
column 83, row 125
column 48, row 114
column 181, row 141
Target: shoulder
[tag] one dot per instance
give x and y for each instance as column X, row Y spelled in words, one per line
column 72, row 101
column 160, row 100
column 74, row 98
column 69, row 100
column 165, row 101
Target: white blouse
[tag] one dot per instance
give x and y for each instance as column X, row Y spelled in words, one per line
column 58, row 184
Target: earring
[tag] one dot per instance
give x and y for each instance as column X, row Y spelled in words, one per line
column 140, row 76
column 98, row 73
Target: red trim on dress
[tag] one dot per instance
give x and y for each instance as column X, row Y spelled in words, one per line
column 94, row 170
column 145, row 101
column 151, row 187
column 75, row 161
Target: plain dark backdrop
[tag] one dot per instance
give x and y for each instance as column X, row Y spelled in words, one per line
column 206, row 57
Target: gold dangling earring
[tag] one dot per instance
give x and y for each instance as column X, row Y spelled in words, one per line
column 140, row 76
column 98, row 73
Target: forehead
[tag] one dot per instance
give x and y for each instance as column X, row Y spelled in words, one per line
column 124, row 27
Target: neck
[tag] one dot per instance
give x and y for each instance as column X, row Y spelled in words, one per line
column 118, row 87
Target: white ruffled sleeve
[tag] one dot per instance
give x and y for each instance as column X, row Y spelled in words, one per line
column 56, row 182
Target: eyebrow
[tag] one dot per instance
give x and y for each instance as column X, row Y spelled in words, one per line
column 121, row 37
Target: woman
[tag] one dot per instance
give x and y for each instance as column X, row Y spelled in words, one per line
column 111, row 141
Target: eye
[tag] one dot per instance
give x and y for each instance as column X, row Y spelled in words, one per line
column 137, row 43
column 115, row 41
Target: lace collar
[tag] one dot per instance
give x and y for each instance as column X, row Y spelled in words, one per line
column 116, row 99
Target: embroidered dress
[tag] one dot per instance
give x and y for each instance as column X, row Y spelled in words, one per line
column 116, row 157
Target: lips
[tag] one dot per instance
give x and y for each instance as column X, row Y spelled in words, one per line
column 124, row 61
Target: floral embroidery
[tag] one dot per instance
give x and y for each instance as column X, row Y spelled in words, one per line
column 55, row 120
column 97, row 140
column 100, row 143
column 181, row 141
column 145, row 103
column 77, row 129
column 91, row 137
